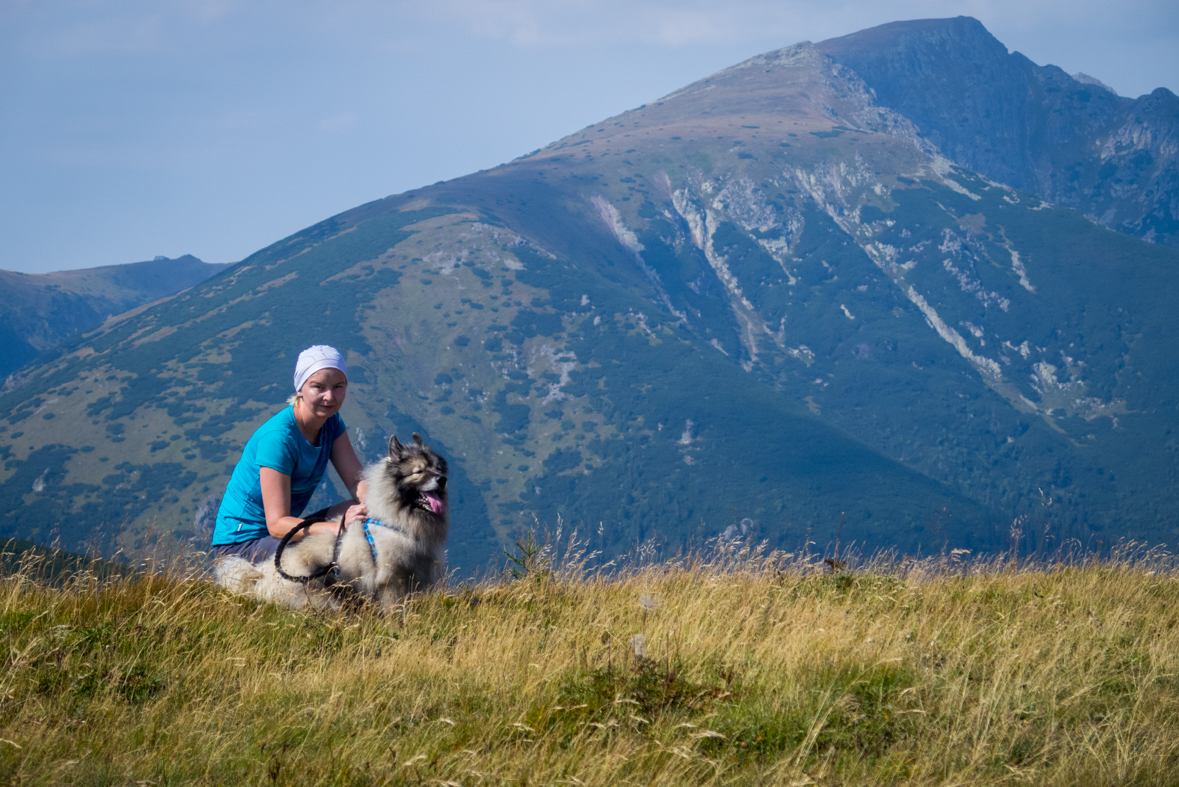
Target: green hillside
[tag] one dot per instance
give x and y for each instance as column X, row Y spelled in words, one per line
column 567, row 438
column 761, row 303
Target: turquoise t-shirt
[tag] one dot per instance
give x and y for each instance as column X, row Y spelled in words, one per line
column 279, row 445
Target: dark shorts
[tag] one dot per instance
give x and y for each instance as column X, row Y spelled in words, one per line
column 257, row 551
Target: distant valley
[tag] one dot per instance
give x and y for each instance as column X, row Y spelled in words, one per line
column 806, row 288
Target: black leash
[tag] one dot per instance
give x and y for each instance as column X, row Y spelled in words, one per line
column 318, row 516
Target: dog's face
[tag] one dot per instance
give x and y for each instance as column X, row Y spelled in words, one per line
column 419, row 476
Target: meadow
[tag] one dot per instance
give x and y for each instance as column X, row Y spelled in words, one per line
column 739, row 668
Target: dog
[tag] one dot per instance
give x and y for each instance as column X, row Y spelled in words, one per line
column 409, row 521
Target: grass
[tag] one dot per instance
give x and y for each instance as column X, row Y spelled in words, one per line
column 53, row 566
column 744, row 669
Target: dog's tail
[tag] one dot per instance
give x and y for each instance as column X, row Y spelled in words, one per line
column 236, row 575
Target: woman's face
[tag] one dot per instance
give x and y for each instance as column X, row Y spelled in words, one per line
column 324, row 392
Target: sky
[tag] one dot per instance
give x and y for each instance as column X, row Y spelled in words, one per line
column 137, row 128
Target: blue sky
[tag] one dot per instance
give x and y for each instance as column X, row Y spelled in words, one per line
column 213, row 127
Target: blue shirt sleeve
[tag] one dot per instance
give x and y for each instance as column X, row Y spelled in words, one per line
column 275, row 452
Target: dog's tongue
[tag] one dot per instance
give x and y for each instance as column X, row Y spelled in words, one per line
column 436, row 504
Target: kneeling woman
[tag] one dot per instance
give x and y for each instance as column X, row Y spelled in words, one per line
column 284, row 461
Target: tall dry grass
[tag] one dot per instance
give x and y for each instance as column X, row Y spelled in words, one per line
column 742, row 669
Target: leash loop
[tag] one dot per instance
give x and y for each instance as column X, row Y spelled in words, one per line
column 318, row 516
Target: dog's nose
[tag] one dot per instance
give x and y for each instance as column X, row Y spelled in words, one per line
column 441, row 482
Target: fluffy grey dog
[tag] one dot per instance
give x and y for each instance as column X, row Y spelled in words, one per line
column 409, row 520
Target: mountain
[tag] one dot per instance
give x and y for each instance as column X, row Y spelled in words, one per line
column 39, row 311
column 760, row 305
column 1069, row 139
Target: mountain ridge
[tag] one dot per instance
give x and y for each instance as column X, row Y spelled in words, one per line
column 754, row 304
column 40, row 310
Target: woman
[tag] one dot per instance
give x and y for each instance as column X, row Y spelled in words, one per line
column 284, row 461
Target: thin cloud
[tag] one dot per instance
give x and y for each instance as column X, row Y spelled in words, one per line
column 81, row 27
column 344, row 121
column 693, row 22
column 107, row 36
column 245, row 120
column 207, row 11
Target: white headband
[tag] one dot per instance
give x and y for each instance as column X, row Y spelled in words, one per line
column 313, row 359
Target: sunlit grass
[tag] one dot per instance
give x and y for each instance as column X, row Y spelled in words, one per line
column 740, row 670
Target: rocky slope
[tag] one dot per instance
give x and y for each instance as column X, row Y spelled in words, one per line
column 39, row 311
column 759, row 303
column 1069, row 139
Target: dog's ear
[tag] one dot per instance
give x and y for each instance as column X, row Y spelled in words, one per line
column 395, row 448
column 417, row 438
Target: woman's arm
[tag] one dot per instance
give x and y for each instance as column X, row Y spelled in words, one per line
column 276, row 499
column 347, row 464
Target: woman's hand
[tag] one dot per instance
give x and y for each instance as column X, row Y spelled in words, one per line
column 348, row 511
column 355, row 513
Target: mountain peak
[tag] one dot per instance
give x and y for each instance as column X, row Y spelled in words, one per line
column 955, row 81
column 1028, row 126
column 1085, row 79
column 960, row 36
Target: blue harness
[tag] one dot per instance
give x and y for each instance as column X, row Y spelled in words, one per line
column 368, row 535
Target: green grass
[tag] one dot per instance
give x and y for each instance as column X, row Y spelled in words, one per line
column 748, row 671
